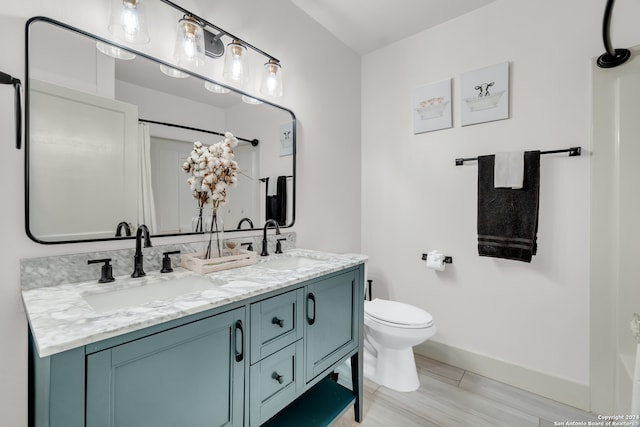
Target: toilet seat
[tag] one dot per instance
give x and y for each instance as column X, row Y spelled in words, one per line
column 397, row 314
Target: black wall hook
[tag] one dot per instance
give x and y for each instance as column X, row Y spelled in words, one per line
column 6, row 79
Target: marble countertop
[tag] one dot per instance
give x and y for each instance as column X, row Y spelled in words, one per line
column 61, row 318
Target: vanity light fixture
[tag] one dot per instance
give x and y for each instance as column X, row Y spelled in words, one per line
column 127, row 22
column 212, row 87
column 192, row 29
column 189, row 47
column 236, row 65
column 172, row 72
column 114, row 52
column 271, row 83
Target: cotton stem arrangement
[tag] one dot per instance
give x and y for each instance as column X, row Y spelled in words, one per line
column 213, row 170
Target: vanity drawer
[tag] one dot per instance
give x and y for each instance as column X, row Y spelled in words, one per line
column 275, row 323
column 274, row 382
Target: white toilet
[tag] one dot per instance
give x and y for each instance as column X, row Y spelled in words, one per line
column 391, row 330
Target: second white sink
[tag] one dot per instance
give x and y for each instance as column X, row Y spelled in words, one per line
column 290, row 262
column 142, row 294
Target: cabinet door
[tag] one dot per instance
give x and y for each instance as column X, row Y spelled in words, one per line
column 192, row 375
column 330, row 326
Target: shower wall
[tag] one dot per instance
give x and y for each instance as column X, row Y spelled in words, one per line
column 615, row 206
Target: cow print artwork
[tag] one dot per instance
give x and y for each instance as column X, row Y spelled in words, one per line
column 484, row 94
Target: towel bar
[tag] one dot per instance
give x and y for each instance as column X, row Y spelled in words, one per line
column 265, row 179
column 573, row 151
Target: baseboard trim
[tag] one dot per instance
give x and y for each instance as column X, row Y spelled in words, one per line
column 552, row 387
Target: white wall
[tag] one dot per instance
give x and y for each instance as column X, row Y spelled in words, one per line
column 328, row 137
column 534, row 316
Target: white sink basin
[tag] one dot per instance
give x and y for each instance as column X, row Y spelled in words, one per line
column 142, row 294
column 290, row 263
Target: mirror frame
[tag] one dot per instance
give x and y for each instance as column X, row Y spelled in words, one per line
column 151, row 58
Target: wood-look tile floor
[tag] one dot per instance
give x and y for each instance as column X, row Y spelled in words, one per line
column 452, row 397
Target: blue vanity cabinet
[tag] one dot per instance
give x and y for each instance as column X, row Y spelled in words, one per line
column 332, row 326
column 263, row 361
column 191, row 375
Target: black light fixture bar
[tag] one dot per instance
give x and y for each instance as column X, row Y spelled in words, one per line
column 215, row 27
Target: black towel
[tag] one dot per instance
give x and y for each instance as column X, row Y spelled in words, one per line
column 507, row 218
column 276, row 206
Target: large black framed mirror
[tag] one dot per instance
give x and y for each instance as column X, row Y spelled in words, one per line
column 106, row 139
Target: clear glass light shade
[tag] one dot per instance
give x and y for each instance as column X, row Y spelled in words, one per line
column 271, row 82
column 172, row 72
column 215, row 88
column 250, row 100
column 128, row 22
column 189, row 49
column 236, row 64
column 114, row 52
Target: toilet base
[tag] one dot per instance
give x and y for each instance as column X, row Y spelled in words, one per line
column 392, row 368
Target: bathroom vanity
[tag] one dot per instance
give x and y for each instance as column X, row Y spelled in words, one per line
column 245, row 347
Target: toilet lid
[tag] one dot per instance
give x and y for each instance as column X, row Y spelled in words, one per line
column 397, row 312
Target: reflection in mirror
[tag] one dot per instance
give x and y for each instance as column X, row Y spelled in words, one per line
column 107, row 137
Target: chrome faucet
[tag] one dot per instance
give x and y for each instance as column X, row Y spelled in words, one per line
column 242, row 221
column 138, row 271
column 264, row 237
column 127, row 230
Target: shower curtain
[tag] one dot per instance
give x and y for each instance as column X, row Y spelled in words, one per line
column 146, row 205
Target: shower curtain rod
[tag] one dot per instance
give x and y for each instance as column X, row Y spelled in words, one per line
column 573, row 151
column 612, row 57
column 254, row 142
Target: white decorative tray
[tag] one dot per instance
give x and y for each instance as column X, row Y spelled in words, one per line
column 197, row 263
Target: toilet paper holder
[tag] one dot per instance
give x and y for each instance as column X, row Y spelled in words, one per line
column 447, row 259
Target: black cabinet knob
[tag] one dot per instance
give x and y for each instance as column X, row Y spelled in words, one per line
column 276, row 321
column 277, row 377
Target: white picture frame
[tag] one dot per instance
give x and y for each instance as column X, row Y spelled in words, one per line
column 484, row 94
column 432, row 107
column 286, row 139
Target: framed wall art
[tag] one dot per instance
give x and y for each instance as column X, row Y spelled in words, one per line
column 484, row 94
column 432, row 107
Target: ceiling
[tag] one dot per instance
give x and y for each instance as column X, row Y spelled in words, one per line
column 368, row 25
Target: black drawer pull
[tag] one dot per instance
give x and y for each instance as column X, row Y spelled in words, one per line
column 238, row 327
column 277, row 377
column 276, row 321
